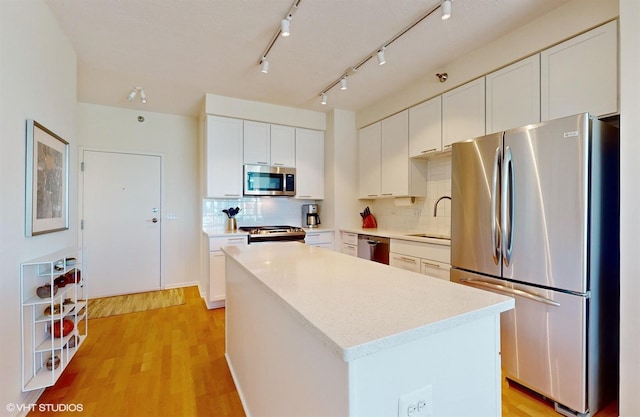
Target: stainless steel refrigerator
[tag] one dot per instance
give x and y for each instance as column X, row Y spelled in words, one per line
column 535, row 214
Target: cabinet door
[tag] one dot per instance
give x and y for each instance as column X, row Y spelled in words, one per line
column 257, row 143
column 216, row 276
column 406, row 262
column 463, row 114
column 283, row 146
column 394, row 155
column 224, row 157
column 425, row 127
column 369, row 161
column 435, row 269
column 513, row 95
column 581, row 74
column 309, row 164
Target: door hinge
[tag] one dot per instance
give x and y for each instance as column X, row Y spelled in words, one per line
column 82, row 224
column 82, row 166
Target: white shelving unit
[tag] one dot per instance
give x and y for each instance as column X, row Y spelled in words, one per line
column 38, row 340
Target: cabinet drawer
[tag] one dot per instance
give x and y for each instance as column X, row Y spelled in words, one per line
column 440, row 253
column 350, row 238
column 350, row 249
column 435, row 269
column 216, row 243
column 313, row 238
column 406, row 262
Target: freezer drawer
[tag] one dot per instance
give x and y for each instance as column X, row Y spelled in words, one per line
column 543, row 340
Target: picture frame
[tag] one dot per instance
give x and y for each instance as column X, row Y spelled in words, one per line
column 47, row 181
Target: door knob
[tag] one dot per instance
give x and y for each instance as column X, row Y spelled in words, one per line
column 155, row 220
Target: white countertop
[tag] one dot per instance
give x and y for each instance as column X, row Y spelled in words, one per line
column 358, row 307
column 394, row 234
column 221, row 232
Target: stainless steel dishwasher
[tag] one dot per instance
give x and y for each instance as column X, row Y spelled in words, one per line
column 374, row 248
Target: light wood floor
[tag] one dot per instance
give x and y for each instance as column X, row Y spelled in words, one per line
column 170, row 362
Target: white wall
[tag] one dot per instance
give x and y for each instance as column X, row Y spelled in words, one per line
column 629, row 208
column 38, row 81
column 176, row 139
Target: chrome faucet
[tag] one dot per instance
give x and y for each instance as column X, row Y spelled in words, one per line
column 435, row 206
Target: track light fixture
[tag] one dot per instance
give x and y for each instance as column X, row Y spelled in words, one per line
column 284, row 26
column 134, row 93
column 444, row 5
column 446, row 9
column 323, row 99
column 442, row 77
column 381, row 60
column 283, row 30
column 343, row 83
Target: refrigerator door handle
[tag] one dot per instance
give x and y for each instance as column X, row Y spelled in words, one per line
column 506, row 209
column 495, row 202
column 507, row 290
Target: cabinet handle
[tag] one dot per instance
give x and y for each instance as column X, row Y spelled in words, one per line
column 429, row 150
column 303, row 196
column 430, row 264
column 387, row 194
column 402, row 258
column 372, row 195
column 350, row 246
column 236, row 239
column 262, row 163
column 448, row 146
column 232, row 195
column 277, row 163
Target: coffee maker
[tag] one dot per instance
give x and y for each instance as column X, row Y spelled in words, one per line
column 310, row 215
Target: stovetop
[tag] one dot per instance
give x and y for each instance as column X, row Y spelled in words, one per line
column 273, row 233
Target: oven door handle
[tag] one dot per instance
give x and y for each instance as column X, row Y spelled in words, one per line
column 508, row 291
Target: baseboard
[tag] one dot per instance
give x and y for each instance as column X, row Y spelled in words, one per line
column 181, row 285
column 28, row 403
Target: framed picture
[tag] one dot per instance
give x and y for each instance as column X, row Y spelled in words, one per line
column 47, row 181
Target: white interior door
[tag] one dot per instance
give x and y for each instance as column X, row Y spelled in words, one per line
column 122, row 216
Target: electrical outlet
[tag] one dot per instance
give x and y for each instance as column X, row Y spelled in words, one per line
column 417, row 403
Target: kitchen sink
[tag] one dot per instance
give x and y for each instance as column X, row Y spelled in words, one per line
column 425, row 235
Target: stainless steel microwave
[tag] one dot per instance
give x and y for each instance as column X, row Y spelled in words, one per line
column 269, row 180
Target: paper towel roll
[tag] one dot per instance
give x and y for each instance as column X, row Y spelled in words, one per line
column 404, row 201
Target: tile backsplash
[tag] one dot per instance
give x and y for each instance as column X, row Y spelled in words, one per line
column 419, row 216
column 254, row 211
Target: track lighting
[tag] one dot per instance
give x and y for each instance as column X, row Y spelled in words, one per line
column 134, row 93
column 445, row 8
column 323, row 99
column 442, row 77
column 265, row 66
column 381, row 60
column 444, row 5
column 284, row 27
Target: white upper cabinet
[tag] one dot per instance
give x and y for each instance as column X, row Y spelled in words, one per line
column 425, row 128
column 369, row 161
column 310, row 164
column 257, row 143
column 267, row 144
column 394, row 152
column 513, row 95
column 385, row 167
column 283, row 145
column 463, row 114
column 581, row 74
column 224, row 157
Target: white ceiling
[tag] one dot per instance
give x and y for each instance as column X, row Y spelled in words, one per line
column 178, row 50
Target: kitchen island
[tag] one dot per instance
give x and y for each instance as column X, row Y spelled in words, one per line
column 312, row 332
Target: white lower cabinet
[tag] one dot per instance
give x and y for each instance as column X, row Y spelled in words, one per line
column 349, row 243
column 321, row 239
column 216, row 296
column 425, row 258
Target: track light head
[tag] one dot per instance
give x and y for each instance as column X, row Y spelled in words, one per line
column 381, row 60
column 343, row 83
column 132, row 94
column 323, row 99
column 265, row 65
column 284, row 27
column 445, row 8
column 442, row 77
column 143, row 96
